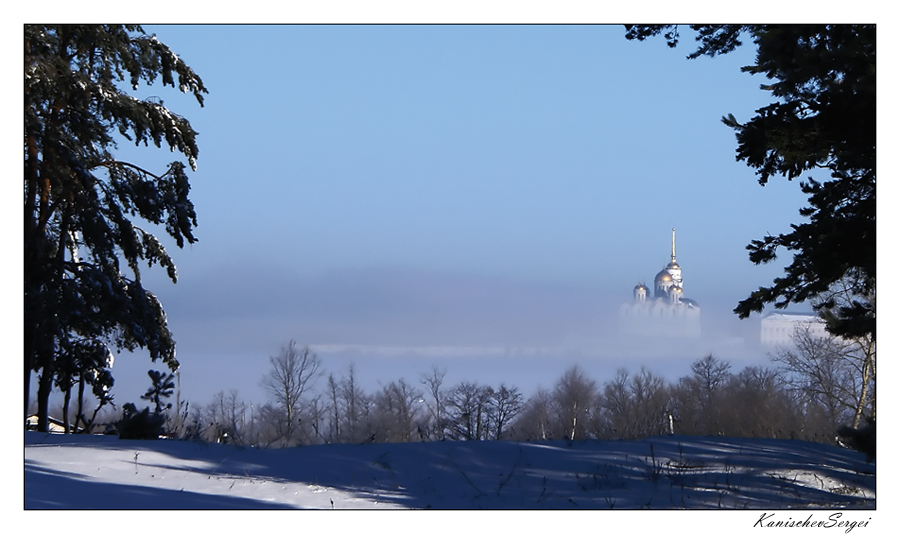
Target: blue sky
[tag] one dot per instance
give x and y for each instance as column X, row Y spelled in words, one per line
column 488, row 190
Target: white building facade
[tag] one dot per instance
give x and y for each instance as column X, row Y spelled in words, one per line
column 777, row 329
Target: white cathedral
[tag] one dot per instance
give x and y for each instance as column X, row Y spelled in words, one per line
column 667, row 313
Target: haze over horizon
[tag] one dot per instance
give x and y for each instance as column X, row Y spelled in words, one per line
column 480, row 198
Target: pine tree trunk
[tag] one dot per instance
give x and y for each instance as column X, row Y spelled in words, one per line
column 27, row 373
column 80, row 416
column 45, row 385
column 65, row 413
column 30, row 250
column 867, row 365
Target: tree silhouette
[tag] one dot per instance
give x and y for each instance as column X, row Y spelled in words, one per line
column 82, row 203
column 823, row 80
column 162, row 388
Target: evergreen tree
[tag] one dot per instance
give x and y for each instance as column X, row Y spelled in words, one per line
column 140, row 424
column 823, row 78
column 81, row 202
column 83, row 363
column 162, row 388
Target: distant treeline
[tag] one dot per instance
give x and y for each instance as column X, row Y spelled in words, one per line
column 815, row 388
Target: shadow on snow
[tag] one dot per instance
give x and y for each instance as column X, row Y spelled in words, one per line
column 662, row 472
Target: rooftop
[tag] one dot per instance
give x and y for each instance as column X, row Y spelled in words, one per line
column 794, row 317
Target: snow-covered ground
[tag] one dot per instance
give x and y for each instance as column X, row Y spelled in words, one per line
column 671, row 472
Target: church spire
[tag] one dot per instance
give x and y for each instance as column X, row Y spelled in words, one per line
column 673, row 244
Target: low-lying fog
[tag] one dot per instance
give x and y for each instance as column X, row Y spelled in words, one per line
column 394, row 324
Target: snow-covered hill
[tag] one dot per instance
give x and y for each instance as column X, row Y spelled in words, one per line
column 671, row 472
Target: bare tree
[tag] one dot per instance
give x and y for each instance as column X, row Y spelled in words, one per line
column 469, row 411
column 651, row 399
column 507, row 403
column 614, row 405
column 845, row 299
column 634, row 406
column 833, row 373
column 227, row 414
column 345, row 410
column 866, row 348
column 754, row 404
column 434, row 382
column 293, row 372
column 574, row 397
column 270, row 431
column 535, row 419
column 709, row 374
column 697, row 395
column 356, row 408
column 317, row 412
column 334, row 400
column 396, row 412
